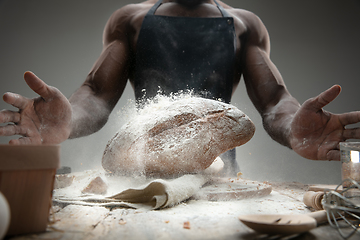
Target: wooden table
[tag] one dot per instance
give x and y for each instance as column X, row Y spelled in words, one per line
column 193, row 219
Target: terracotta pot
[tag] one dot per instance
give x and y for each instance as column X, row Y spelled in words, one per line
column 27, row 176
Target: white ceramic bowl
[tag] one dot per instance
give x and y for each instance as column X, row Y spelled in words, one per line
column 4, row 216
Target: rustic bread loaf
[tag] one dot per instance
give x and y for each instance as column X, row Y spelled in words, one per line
column 183, row 136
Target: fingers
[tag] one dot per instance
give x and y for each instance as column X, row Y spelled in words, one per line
column 16, row 100
column 12, row 129
column 349, row 118
column 28, row 136
column 353, row 133
column 25, row 140
column 333, row 155
column 37, row 85
column 9, row 116
column 324, row 98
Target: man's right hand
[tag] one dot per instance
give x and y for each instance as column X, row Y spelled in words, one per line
column 42, row 120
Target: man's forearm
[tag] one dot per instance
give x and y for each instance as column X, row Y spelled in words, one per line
column 89, row 113
column 277, row 120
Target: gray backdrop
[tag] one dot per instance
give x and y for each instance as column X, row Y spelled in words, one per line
column 314, row 45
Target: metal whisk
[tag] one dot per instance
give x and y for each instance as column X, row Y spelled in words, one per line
column 344, row 205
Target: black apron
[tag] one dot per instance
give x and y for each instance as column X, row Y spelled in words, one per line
column 175, row 54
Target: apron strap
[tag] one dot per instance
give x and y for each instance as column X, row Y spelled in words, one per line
column 153, row 8
column 222, row 10
column 156, row 5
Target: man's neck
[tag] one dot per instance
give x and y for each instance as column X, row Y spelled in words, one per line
column 190, row 3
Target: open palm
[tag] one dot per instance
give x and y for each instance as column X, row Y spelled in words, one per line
column 42, row 120
column 316, row 133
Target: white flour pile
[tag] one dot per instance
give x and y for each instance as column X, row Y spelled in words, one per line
column 115, row 191
column 283, row 200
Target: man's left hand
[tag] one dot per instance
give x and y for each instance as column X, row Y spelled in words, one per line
column 316, row 133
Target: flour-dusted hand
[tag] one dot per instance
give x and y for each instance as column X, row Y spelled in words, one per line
column 42, row 120
column 316, row 133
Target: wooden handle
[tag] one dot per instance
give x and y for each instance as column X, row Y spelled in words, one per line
column 313, row 199
column 319, row 216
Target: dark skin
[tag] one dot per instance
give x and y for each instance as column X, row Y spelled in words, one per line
column 51, row 118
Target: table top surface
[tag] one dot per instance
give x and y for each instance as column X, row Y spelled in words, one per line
column 192, row 219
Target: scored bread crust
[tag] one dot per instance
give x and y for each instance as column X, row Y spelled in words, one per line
column 184, row 136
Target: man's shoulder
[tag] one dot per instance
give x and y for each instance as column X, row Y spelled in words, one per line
column 126, row 20
column 129, row 11
column 249, row 18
